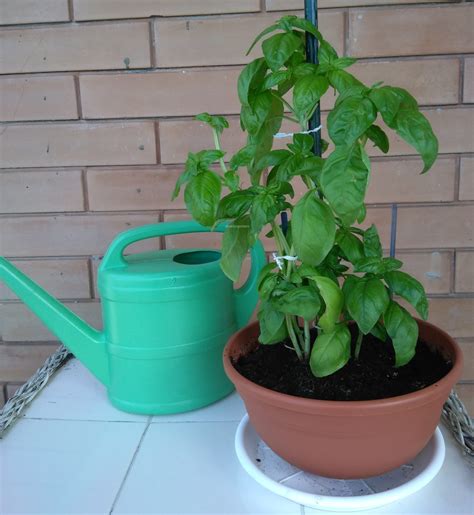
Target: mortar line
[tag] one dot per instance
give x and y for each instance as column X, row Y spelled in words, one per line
column 77, row 89
column 130, row 465
column 462, row 60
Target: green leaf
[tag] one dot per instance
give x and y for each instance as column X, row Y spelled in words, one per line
column 327, row 54
column 267, row 285
column 275, row 78
column 403, row 284
column 379, row 332
column 264, row 209
column 243, row 157
column 350, row 119
column 262, row 34
column 272, row 325
column 182, row 179
column 341, row 80
column 307, row 26
column 403, row 330
column 372, row 245
column 344, row 182
column 344, row 62
column 313, row 229
column 235, row 244
column 389, row 101
column 334, row 300
column 303, row 302
column 202, row 195
column 306, row 94
column 254, row 117
column 331, row 351
column 378, row 138
column 366, row 301
column 415, row 129
column 231, row 180
column 278, row 49
column 273, row 158
column 218, row 123
column 206, row 157
column 302, row 144
column 376, row 265
column 235, row 204
column 250, row 78
column 350, row 245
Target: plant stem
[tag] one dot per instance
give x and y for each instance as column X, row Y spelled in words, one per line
column 217, row 144
column 307, row 343
column 294, row 339
column 280, row 239
column 358, row 344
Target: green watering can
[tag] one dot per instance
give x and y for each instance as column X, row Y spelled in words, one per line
column 167, row 316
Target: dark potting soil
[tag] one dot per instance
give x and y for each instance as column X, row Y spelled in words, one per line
column 372, row 376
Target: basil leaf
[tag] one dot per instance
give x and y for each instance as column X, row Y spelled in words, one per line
column 341, row 80
column 273, row 158
column 403, row 330
column 372, row 245
column 344, row 62
column 366, row 301
column 331, row 351
column 327, row 54
column 235, row 244
column 350, row 245
column 333, row 299
column 375, row 265
column 344, row 182
column 235, row 204
column 379, row 332
column 272, row 325
column 378, row 137
column 182, row 179
column 218, row 123
column 250, row 77
column 389, row 101
column 307, row 26
column 253, row 117
column 410, row 289
column 264, row 32
column 278, row 49
column 416, row 130
column 350, row 119
column 243, row 157
column 313, row 229
column 306, row 94
column 264, row 209
column 275, row 78
column 202, row 195
column 303, row 302
column 207, row 157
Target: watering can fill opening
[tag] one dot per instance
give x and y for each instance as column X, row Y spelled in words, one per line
column 197, row 257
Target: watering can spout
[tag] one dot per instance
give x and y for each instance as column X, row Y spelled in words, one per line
column 85, row 342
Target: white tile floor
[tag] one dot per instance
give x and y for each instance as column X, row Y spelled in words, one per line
column 72, row 452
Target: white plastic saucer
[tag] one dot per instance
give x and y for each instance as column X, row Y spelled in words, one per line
column 323, row 493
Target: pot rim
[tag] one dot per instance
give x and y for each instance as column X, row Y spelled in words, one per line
column 302, row 404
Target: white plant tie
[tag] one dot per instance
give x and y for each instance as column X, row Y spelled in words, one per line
column 280, row 259
column 290, row 134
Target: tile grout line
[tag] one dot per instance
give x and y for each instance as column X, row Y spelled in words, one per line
column 130, row 465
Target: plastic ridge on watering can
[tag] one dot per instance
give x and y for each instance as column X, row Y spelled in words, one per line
column 167, row 315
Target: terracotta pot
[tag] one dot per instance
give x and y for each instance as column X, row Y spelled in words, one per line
column 345, row 439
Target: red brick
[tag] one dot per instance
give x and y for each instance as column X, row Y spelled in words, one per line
column 118, row 189
column 426, row 31
column 18, row 323
column 435, row 227
column 466, row 180
column 37, row 98
column 464, row 272
column 76, row 144
column 289, row 5
column 180, row 93
column 32, row 11
column 105, row 46
column 111, row 9
column 41, row 191
column 74, row 235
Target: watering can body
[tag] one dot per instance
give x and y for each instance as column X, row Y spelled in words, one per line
column 167, row 316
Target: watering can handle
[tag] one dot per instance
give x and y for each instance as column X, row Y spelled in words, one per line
column 245, row 297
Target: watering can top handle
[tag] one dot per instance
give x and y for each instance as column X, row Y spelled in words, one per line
column 114, row 255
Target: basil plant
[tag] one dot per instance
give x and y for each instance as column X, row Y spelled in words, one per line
column 332, row 271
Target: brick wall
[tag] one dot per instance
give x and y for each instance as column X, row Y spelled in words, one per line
column 97, row 99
